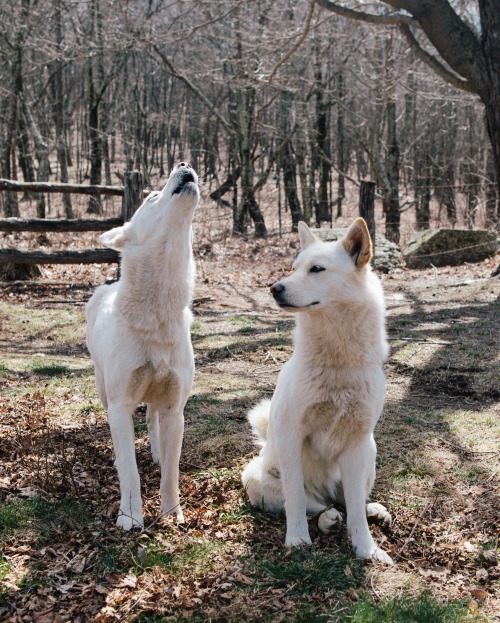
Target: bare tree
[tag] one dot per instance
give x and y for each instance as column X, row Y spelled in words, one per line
column 466, row 56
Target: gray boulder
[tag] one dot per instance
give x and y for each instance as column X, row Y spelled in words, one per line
column 449, row 247
column 387, row 254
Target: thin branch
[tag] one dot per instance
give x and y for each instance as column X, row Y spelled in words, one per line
column 301, row 40
column 193, row 88
column 394, row 19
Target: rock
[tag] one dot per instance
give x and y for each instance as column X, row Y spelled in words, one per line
column 387, row 254
column 449, row 247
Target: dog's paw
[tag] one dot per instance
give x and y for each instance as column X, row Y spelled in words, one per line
column 329, row 520
column 380, row 556
column 297, row 540
column 156, row 456
column 128, row 522
column 174, row 510
column 377, row 513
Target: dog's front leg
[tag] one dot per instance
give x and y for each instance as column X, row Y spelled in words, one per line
column 289, row 451
column 122, row 434
column 171, row 433
column 356, row 466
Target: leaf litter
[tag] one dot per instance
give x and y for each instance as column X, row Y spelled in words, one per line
column 63, row 558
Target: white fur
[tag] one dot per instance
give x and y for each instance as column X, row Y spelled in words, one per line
column 138, row 335
column 317, row 432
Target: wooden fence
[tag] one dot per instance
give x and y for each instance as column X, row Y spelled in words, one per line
column 132, row 193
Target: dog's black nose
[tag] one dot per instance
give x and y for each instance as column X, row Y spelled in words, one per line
column 277, row 289
column 185, row 164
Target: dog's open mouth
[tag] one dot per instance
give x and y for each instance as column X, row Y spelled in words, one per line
column 288, row 305
column 186, row 178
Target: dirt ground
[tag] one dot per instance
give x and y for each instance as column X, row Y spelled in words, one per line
column 62, row 557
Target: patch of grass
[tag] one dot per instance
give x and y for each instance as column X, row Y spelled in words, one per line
column 113, row 559
column 45, row 518
column 248, row 329
column 237, row 319
column 422, row 609
column 197, row 557
column 308, row 571
column 416, row 467
column 4, row 570
column 49, row 369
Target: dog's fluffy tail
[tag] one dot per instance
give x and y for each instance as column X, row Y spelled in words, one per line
column 259, row 420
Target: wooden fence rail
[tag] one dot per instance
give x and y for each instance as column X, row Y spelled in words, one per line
column 50, row 187
column 132, row 192
column 85, row 256
column 58, row 225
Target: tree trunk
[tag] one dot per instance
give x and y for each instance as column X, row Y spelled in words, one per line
column 323, row 208
column 491, row 208
column 367, row 209
column 95, row 204
column 301, row 154
column 391, row 200
column 288, row 161
column 423, row 192
column 249, row 205
column 58, row 109
column 341, row 159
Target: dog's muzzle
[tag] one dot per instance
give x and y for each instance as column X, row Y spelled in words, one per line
column 185, row 176
column 280, row 295
column 278, row 292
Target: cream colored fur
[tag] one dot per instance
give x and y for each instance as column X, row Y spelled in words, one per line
column 138, row 335
column 316, row 433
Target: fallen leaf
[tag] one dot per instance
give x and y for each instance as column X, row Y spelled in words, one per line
column 490, row 556
column 141, row 553
column 479, row 593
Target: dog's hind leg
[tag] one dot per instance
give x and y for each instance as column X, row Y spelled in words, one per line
column 377, row 513
column 153, row 422
column 122, row 433
column 263, row 486
column 171, row 430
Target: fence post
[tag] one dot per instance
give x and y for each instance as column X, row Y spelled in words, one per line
column 367, row 208
column 133, row 182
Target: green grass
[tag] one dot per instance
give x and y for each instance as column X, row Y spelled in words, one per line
column 50, row 369
column 309, row 571
column 43, row 517
column 421, row 609
column 4, row 570
column 237, row 319
column 198, row 556
column 113, row 559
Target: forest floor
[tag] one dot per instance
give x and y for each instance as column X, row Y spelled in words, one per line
column 63, row 558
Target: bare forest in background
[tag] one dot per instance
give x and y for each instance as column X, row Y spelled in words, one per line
column 279, row 105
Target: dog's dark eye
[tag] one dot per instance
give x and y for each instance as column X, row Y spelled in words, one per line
column 317, row 269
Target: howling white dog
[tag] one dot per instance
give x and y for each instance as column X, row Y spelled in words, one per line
column 138, row 335
column 316, row 433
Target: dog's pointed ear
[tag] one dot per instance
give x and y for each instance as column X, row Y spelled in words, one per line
column 358, row 244
column 306, row 236
column 115, row 238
